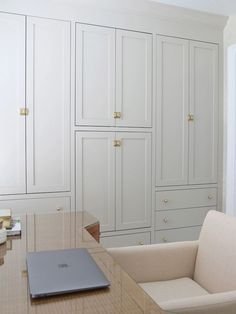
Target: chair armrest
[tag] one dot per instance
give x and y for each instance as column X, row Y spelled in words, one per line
column 217, row 303
column 158, row 261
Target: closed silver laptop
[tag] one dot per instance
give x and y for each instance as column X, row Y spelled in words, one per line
column 63, row 271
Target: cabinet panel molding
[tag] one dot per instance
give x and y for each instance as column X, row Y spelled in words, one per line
column 203, row 143
column 172, row 111
column 48, row 100
column 12, row 98
column 95, row 176
column 95, row 75
column 133, row 78
column 133, row 180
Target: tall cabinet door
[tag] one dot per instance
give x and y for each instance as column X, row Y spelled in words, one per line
column 133, row 78
column 172, row 111
column 204, row 108
column 95, row 75
column 12, row 98
column 133, row 180
column 95, row 176
column 48, row 100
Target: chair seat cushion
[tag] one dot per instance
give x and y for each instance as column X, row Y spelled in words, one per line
column 162, row 291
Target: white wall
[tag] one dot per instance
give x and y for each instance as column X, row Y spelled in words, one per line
column 229, row 191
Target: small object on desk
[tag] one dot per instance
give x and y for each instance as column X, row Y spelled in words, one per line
column 15, row 228
column 5, row 214
column 3, row 235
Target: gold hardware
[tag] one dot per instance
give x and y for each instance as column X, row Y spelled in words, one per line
column 24, row 273
column 117, row 115
column 59, row 209
column 165, row 220
column 117, row 143
column 165, row 201
column 24, row 111
column 210, row 197
column 164, row 239
column 190, row 117
column 141, row 243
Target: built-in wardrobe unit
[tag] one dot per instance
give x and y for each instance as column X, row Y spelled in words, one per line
column 113, row 114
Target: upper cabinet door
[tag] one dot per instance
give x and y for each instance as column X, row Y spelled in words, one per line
column 172, row 111
column 48, row 100
column 95, row 75
column 133, row 79
column 203, row 129
column 133, row 180
column 95, row 176
column 12, row 98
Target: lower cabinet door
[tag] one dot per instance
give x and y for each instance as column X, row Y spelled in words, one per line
column 37, row 205
column 176, row 235
column 133, row 180
column 95, row 176
column 126, row 240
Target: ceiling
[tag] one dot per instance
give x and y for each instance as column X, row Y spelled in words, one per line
column 221, row 7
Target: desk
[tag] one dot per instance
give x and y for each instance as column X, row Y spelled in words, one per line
column 63, row 231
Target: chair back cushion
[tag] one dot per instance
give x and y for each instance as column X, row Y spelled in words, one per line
column 215, row 268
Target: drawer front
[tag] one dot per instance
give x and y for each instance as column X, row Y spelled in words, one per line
column 186, row 198
column 126, row 240
column 176, row 235
column 168, row 219
column 37, row 205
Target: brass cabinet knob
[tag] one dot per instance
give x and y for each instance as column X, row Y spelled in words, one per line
column 190, row 117
column 141, row 243
column 59, row 209
column 164, row 239
column 117, row 143
column 24, row 111
column 117, row 115
column 165, row 201
column 210, row 197
column 165, row 219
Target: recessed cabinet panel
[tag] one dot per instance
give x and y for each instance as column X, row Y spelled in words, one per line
column 48, row 100
column 95, row 176
column 133, row 180
column 172, row 111
column 133, row 78
column 143, row 238
column 95, row 75
column 37, row 205
column 12, row 98
column 204, row 108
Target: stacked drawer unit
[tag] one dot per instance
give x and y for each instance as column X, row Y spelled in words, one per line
column 180, row 213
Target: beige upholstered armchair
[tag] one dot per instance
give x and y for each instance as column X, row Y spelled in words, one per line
column 189, row 277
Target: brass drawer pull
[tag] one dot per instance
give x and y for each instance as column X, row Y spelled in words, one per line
column 117, row 143
column 165, row 201
column 165, row 219
column 164, row 239
column 117, row 115
column 190, row 117
column 210, row 197
column 141, row 243
column 24, row 111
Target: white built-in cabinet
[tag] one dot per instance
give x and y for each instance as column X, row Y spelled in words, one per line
column 187, row 136
column 113, row 77
column 12, row 98
column 113, row 178
column 187, row 112
column 48, row 102
column 34, row 106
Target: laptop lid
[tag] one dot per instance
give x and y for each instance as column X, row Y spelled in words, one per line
column 63, row 271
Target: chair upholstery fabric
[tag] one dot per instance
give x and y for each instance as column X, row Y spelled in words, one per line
column 209, row 264
column 162, row 291
column 215, row 268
